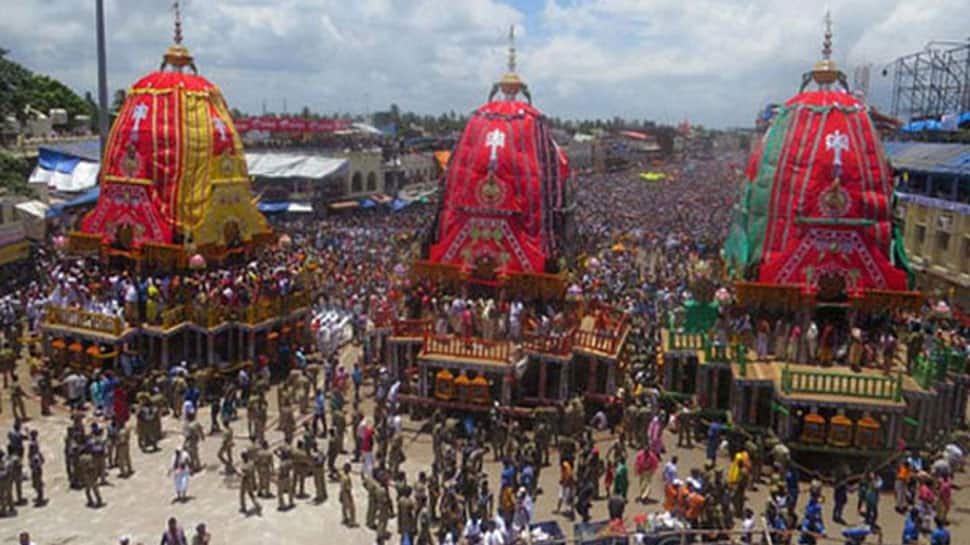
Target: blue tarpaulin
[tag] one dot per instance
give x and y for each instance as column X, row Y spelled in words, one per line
column 86, row 198
column 367, row 203
column 273, row 207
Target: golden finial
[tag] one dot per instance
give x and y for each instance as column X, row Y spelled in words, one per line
column 177, row 56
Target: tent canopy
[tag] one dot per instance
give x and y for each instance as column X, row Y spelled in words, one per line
column 34, row 209
column 68, row 167
column 293, row 165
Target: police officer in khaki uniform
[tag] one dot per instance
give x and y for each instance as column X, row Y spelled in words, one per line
column 37, row 475
column 348, row 512
column 194, row 434
column 287, row 423
column 406, row 517
column 396, row 455
column 123, row 451
column 339, row 425
column 247, row 487
column 319, row 469
column 15, row 467
column 17, row 396
column 252, row 415
column 301, row 468
column 284, row 481
column 6, row 488
column 99, row 452
column 225, row 448
column 89, row 479
column 264, row 468
column 382, row 505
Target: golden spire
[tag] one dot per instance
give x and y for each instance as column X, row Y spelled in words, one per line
column 511, row 84
column 177, row 56
column 178, row 23
column 827, row 42
column 511, row 48
column 826, row 72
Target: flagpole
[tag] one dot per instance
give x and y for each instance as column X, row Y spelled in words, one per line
column 102, row 77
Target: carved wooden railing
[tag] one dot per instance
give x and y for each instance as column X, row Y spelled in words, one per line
column 820, row 382
column 467, row 347
column 174, row 316
column 82, row 319
column 557, row 345
column 686, row 341
column 412, row 328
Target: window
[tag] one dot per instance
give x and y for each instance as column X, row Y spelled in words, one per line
column 357, row 183
column 371, row 181
column 965, row 258
column 919, row 235
column 942, row 241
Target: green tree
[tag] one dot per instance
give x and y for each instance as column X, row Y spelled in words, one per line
column 14, row 171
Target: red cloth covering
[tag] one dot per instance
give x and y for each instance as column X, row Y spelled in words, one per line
column 150, row 175
column 816, row 226
column 499, row 208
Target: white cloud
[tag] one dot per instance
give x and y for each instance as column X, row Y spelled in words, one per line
column 714, row 61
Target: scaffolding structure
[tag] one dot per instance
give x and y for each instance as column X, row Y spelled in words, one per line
column 933, row 82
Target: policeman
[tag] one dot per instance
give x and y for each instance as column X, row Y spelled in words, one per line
column 248, row 485
column 284, row 481
column 347, row 510
column 194, row 433
column 123, row 451
column 17, row 396
column 396, row 456
column 382, row 499
column 319, row 469
column 89, row 479
column 99, row 452
column 264, row 467
column 225, row 448
column 406, row 517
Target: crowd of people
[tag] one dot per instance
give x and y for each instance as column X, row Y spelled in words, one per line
column 639, row 246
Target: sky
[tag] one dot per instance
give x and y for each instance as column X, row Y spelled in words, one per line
column 712, row 62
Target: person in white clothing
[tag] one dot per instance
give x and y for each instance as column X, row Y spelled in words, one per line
column 180, row 473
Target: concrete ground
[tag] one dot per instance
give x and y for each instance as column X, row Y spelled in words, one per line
column 140, row 505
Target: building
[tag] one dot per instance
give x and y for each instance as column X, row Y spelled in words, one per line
column 933, row 203
column 365, row 174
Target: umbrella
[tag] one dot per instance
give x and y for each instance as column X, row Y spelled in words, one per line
column 197, row 262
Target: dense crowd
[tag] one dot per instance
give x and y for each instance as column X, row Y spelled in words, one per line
column 639, row 246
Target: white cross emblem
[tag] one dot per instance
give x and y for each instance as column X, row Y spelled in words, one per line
column 140, row 113
column 220, row 127
column 495, row 140
column 837, row 142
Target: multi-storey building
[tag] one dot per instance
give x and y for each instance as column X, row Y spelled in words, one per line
column 933, row 203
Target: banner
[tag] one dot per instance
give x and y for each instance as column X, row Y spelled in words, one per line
column 290, row 124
